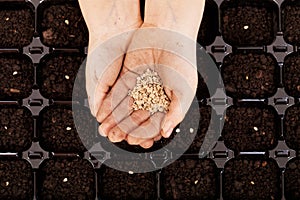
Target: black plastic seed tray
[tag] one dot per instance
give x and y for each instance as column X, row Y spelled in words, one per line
column 254, row 156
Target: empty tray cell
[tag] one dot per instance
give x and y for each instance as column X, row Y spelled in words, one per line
column 292, row 127
column 61, row 24
column 251, row 178
column 251, row 128
column 290, row 11
column 16, row 180
column 291, row 74
column 249, row 23
column 119, row 185
column 57, row 73
column 190, row 179
column 16, row 76
column 189, row 135
column 66, row 178
column 209, row 24
column 291, row 180
column 59, row 133
column 250, row 75
column 16, row 129
column 17, row 24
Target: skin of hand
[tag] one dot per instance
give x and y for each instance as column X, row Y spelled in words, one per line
column 118, row 121
column 175, row 63
column 106, row 19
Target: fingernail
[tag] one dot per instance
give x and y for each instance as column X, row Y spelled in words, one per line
column 101, row 132
column 167, row 128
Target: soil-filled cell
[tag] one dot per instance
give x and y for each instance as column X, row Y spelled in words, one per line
column 291, row 74
column 119, row 185
column 209, row 24
column 251, row 128
column 57, row 73
column 291, row 180
column 247, row 178
column 292, row 127
column 62, row 178
column 290, row 11
column 16, row 180
column 16, row 129
column 16, row 76
column 58, row 131
column 250, row 75
column 190, row 179
column 248, row 23
column 17, row 24
column 62, row 25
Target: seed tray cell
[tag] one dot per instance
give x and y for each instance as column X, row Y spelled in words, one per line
column 57, row 73
column 291, row 74
column 250, row 75
column 209, row 25
column 290, row 11
column 58, row 132
column 17, row 24
column 61, row 24
column 249, row 23
column 251, row 178
column 252, row 127
column 291, row 180
column 66, row 178
column 16, row 76
column 16, row 128
column 114, row 184
column 16, row 179
column 292, row 127
column 190, row 179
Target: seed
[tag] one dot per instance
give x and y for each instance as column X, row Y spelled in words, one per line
column 252, row 182
column 15, row 73
column 196, row 181
column 13, row 90
column 65, row 180
column 67, row 22
column 247, row 77
column 255, row 128
column 67, row 77
column 264, row 164
column 148, row 93
column 246, row 27
column 6, row 183
column 68, row 128
column 130, row 172
column 191, row 130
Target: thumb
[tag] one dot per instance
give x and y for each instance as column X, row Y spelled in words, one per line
column 173, row 117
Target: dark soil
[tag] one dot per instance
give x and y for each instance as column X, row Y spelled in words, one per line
column 249, row 179
column 245, row 23
column 209, row 24
column 115, row 184
column 292, row 180
column 16, row 76
column 290, row 23
column 185, row 132
column 251, row 128
column 16, row 129
column 291, row 74
column 250, row 75
column 59, row 133
column 17, row 25
column 62, row 25
column 292, row 127
column 190, row 179
column 16, row 180
column 57, row 75
column 64, row 179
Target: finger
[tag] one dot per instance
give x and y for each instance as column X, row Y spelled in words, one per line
column 118, row 97
column 157, row 138
column 116, row 135
column 149, row 128
column 147, row 144
column 173, row 117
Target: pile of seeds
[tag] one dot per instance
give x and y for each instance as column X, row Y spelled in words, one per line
column 148, row 93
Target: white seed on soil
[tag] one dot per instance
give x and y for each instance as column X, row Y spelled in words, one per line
column 196, row 181
column 130, row 172
column 5, row 127
column 148, row 93
column 65, row 180
column 6, row 183
column 67, row 77
column 15, row 73
column 255, row 128
column 67, row 22
column 69, row 128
